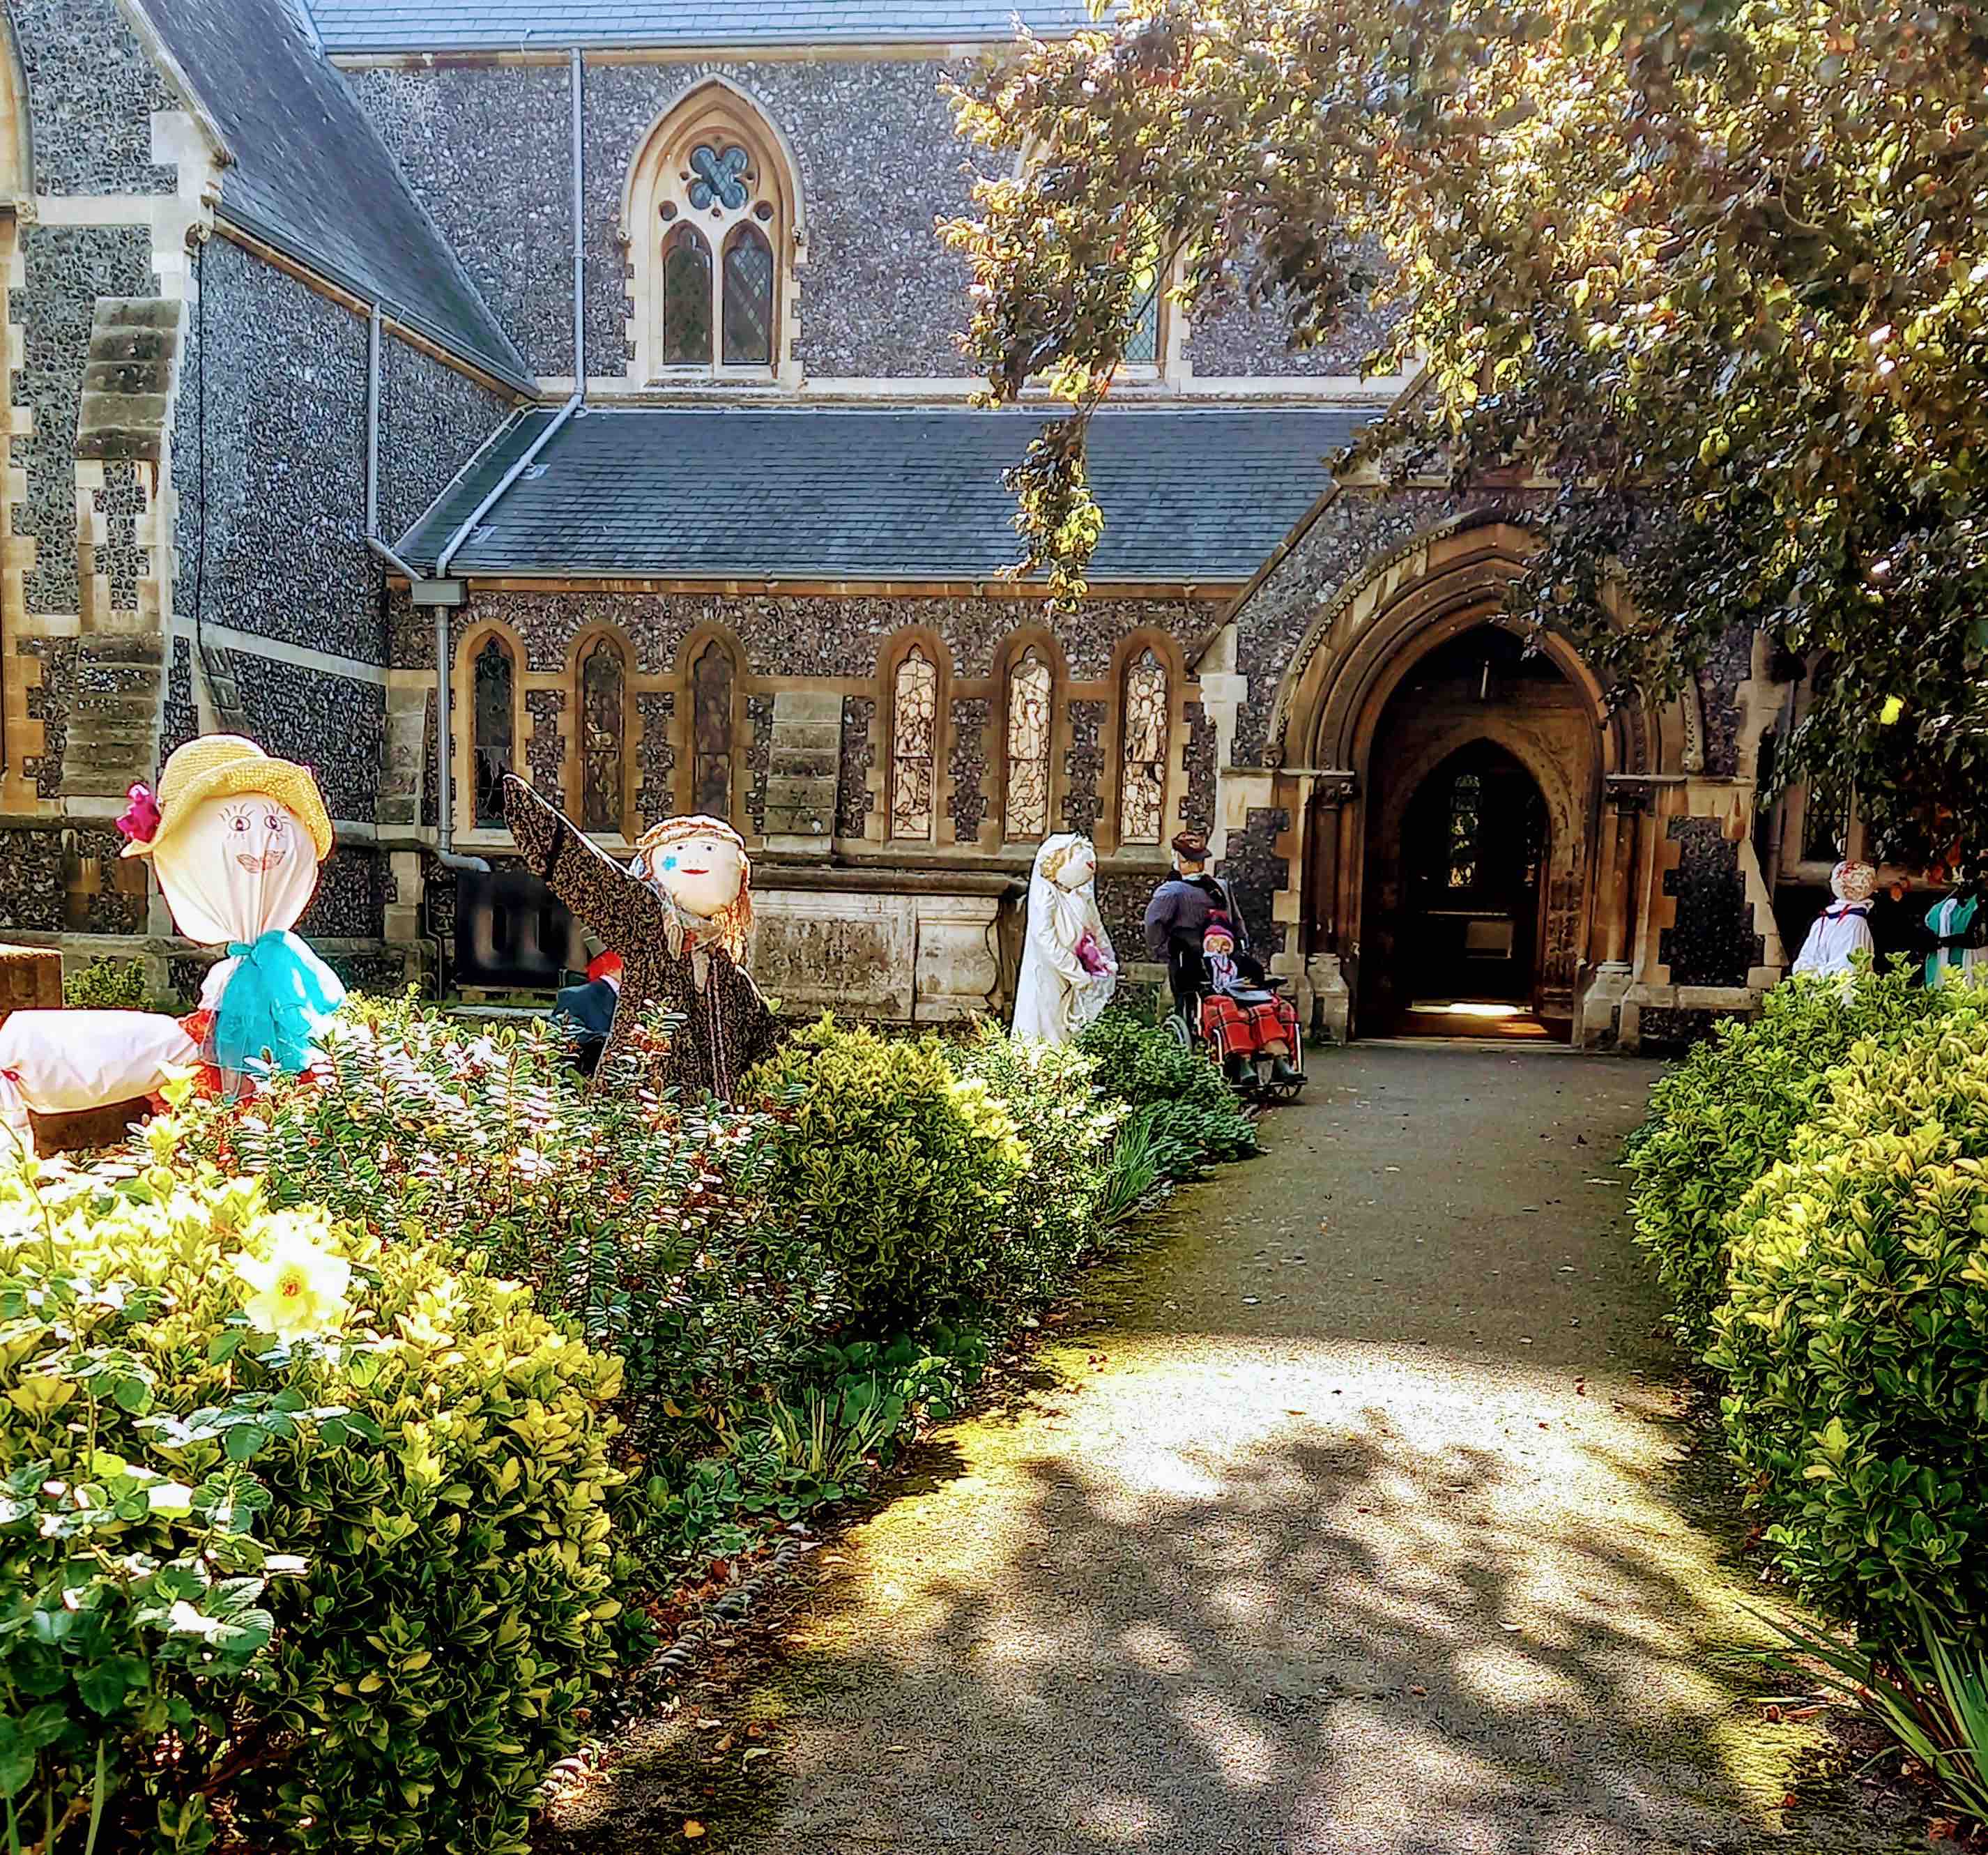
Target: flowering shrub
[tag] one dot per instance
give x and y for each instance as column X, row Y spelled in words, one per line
column 291, row 1516
column 649, row 1224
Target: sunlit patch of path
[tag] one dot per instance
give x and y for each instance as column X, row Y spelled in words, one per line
column 1358, row 1528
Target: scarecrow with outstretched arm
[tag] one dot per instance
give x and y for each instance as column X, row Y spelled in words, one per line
column 679, row 918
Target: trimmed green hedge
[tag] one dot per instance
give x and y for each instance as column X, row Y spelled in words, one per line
column 1732, row 1108
column 1811, row 1188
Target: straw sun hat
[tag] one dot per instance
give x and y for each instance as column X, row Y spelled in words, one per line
column 222, row 767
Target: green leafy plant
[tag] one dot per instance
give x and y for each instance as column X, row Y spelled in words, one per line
column 1195, row 1119
column 1733, row 1107
column 107, row 985
column 649, row 1224
column 1135, row 1171
column 430, row 1470
column 901, row 1171
column 1854, row 1350
column 1935, row 1708
column 1052, row 1219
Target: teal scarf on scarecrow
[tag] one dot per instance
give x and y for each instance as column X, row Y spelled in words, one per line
column 274, row 1002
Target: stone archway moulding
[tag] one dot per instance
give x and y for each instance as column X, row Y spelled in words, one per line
column 1463, row 564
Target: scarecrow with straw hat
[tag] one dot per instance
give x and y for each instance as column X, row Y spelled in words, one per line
column 235, row 837
column 680, row 916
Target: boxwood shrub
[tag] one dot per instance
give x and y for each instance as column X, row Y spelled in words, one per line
column 1732, row 1109
column 901, row 1171
column 429, row 1473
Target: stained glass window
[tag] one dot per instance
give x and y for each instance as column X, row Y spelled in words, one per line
column 748, row 299
column 1467, row 828
column 686, row 299
column 1029, row 687
column 494, row 743
column 712, row 677
column 913, row 739
column 720, row 181
column 603, row 722
column 1142, row 796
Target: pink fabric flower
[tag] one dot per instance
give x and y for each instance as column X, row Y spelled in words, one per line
column 141, row 821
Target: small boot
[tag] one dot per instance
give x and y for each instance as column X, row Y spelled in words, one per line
column 1281, row 1075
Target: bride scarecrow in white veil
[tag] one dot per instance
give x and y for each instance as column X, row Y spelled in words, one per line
column 1069, row 970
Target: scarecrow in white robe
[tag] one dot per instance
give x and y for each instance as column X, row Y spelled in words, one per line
column 1843, row 929
column 1069, row 968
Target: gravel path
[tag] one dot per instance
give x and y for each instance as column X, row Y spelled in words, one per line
column 1358, row 1529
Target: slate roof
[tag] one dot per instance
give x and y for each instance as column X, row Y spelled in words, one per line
column 824, row 493
column 312, row 178
column 353, row 26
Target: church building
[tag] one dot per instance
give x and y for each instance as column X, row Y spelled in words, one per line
column 435, row 389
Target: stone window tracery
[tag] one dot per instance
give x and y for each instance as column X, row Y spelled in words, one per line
column 1142, row 792
column 914, row 745
column 1031, row 688
column 711, row 218
column 493, row 737
column 713, row 679
column 604, row 724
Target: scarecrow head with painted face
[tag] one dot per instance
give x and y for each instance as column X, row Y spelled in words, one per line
column 700, row 863
column 236, row 837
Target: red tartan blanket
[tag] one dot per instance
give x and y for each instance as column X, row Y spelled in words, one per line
column 1235, row 1029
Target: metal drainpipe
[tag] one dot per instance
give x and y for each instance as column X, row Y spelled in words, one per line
column 579, row 225
column 445, row 804
column 447, row 557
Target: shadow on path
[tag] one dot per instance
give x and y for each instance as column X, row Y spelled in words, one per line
column 1355, row 1528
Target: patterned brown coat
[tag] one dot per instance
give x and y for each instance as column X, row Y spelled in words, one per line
column 725, row 1025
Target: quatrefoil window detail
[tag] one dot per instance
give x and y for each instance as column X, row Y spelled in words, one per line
column 721, row 178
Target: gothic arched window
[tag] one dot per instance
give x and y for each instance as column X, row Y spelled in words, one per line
column 914, row 745
column 603, row 725
column 712, row 221
column 1031, row 688
column 748, row 299
column 493, row 737
column 1142, row 789
column 686, row 298
column 713, row 678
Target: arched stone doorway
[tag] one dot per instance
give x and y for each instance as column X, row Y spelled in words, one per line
column 1409, row 665
column 1481, row 774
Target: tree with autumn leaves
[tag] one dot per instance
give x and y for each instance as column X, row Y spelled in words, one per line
column 1718, row 268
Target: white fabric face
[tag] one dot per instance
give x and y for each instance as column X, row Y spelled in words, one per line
column 240, row 867
column 1057, row 996
column 702, row 875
